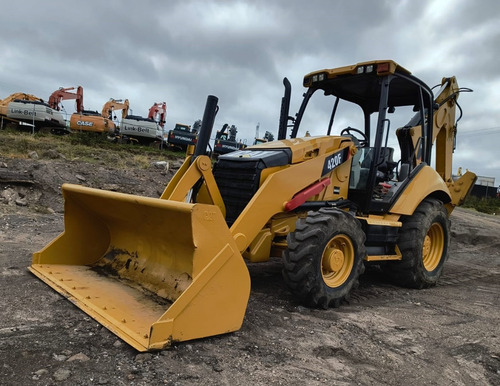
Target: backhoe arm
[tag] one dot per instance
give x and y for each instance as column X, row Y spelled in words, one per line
column 444, row 128
column 444, row 134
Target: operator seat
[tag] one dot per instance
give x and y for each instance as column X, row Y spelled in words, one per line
column 385, row 171
column 385, row 168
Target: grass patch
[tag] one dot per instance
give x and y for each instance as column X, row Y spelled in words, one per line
column 487, row 205
column 88, row 147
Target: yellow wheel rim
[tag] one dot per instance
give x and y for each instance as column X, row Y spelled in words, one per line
column 337, row 261
column 433, row 248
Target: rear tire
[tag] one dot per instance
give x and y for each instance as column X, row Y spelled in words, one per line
column 324, row 258
column 423, row 242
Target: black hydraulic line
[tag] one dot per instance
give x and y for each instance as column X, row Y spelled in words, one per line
column 204, row 134
column 316, row 205
column 461, row 112
column 332, row 117
column 207, row 125
column 296, row 123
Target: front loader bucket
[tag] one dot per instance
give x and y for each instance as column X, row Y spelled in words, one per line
column 152, row 271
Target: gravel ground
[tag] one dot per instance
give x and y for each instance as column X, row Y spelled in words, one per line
column 386, row 335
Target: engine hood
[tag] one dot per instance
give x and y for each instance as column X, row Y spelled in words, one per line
column 306, row 148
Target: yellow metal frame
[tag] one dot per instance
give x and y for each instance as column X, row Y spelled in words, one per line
column 187, row 176
column 422, row 185
column 390, row 220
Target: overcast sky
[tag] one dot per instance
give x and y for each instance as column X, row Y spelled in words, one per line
column 181, row 51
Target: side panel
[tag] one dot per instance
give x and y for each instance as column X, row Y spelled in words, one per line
column 93, row 123
column 182, row 138
column 40, row 114
column 140, row 128
column 426, row 182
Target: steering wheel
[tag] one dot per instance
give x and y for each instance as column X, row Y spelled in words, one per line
column 349, row 130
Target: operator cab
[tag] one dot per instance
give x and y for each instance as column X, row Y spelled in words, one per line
column 383, row 95
column 361, row 166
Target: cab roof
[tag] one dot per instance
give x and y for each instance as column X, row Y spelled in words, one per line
column 361, row 84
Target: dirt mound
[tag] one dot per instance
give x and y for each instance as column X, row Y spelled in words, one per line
column 37, row 183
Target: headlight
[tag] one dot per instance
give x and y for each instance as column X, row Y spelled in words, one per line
column 319, row 77
column 309, row 81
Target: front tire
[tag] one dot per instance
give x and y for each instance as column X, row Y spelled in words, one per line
column 423, row 242
column 324, row 257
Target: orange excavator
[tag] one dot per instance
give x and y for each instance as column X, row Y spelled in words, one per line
column 61, row 94
column 88, row 120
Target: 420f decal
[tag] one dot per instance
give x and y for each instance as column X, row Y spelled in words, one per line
column 335, row 160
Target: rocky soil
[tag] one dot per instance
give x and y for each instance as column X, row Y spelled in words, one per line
column 386, row 335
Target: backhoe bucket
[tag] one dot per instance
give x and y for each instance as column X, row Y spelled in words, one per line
column 152, row 271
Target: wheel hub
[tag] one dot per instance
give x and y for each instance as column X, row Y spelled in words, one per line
column 433, row 247
column 427, row 246
column 337, row 260
column 334, row 260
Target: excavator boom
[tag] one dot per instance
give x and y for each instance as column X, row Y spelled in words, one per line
column 114, row 105
column 158, row 113
column 61, row 94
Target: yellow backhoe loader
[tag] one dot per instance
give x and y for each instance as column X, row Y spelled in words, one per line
column 161, row 270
